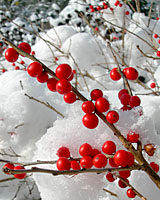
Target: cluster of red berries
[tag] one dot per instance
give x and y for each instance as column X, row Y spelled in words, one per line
column 98, row 8
column 127, row 100
column 63, row 72
column 156, row 36
column 106, row 6
column 130, row 73
column 93, row 157
column 12, row 55
column 18, row 167
column 90, row 120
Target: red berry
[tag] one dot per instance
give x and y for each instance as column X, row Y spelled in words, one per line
column 19, row 176
column 115, row 75
column 102, row 104
column 112, row 117
column 131, row 193
column 155, row 36
column 96, row 29
column 123, row 91
column 110, row 177
column 9, row 166
column 63, row 71
column 34, row 69
column 125, row 108
column 24, row 46
column 63, row 152
column 121, row 158
column 95, row 94
column 3, row 70
column 42, row 78
column 154, row 166
column 17, row 68
column 22, row 62
column 127, row 13
column 74, row 71
column 92, row 10
column 158, row 53
column 125, row 99
column 63, row 86
column 131, row 73
column 98, row 8
column 13, row 64
column 130, row 159
column 122, row 184
column 124, row 174
column 116, row 3
column 75, row 165
column 85, row 149
column 100, row 161
column 90, row 121
column 134, row 101
column 33, row 52
column 51, row 84
column 88, row 107
column 109, row 147
column 86, row 162
column 69, row 97
column 152, row 85
column 112, row 163
column 133, row 137
column 63, row 164
column 120, row 4
column 105, row 6
column 11, row 55
column 95, row 152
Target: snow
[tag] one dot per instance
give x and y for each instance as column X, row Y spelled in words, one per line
column 35, row 132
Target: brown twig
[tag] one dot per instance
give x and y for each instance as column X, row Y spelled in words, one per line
column 147, row 88
column 111, row 193
column 138, row 6
column 7, row 179
column 128, row 184
column 45, row 104
column 154, row 58
column 132, row 33
column 70, row 172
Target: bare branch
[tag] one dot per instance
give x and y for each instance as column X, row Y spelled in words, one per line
column 111, row 193
column 70, row 172
column 46, row 104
